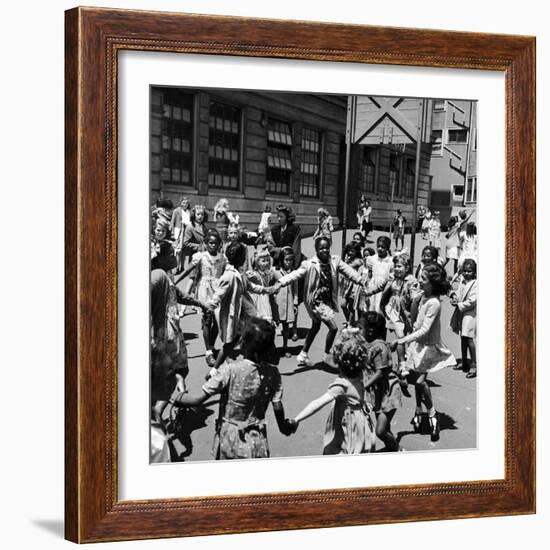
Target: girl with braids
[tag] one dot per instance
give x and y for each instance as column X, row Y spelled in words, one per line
column 426, row 352
column 349, row 427
column 246, row 389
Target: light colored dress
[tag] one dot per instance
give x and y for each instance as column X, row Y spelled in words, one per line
column 246, row 390
column 380, row 270
column 468, row 250
column 386, row 393
column 467, row 308
column 397, row 299
column 426, row 352
column 207, row 273
column 349, row 428
column 434, row 233
column 266, row 304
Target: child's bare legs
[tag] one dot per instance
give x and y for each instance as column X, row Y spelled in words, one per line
column 209, row 334
column 472, row 373
column 383, row 430
column 332, row 331
column 312, row 333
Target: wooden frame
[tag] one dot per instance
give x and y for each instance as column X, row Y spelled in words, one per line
column 93, row 39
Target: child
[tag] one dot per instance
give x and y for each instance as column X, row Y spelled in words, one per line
column 380, row 378
column 223, row 217
column 430, row 255
column 358, row 239
column 263, row 275
column 208, row 267
column 231, row 301
column 363, row 217
column 468, row 244
column 287, row 297
column 464, row 319
column 399, row 223
column 434, row 232
column 353, row 297
column 161, row 233
column 426, row 223
column 426, row 352
column 246, row 387
column 451, row 243
column 264, row 227
column 396, row 303
column 180, row 219
column 380, row 268
column 193, row 235
column 320, row 275
column 349, row 427
column 236, row 234
column 324, row 225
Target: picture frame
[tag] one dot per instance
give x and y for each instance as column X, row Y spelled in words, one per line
column 94, row 37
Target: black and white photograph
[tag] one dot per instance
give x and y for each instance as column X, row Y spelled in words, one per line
column 313, row 274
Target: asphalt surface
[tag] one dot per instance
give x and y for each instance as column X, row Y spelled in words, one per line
column 454, row 395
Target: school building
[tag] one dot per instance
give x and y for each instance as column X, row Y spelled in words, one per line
column 256, row 148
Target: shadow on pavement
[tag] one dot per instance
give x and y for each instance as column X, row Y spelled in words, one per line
column 446, row 422
column 317, row 366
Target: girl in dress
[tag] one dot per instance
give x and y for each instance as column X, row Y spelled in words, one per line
column 263, row 275
column 208, row 267
column 468, row 244
column 264, row 227
column 324, row 225
column 381, row 382
column 380, row 267
column 363, row 217
column 231, row 302
column 193, row 235
column 246, row 389
column 451, row 243
column 434, row 232
column 223, row 217
column 353, row 297
column 396, row 303
column 287, row 297
column 236, row 234
column 321, row 278
column 399, row 223
column 464, row 319
column 426, row 223
column 426, row 352
column 349, row 428
column 180, row 219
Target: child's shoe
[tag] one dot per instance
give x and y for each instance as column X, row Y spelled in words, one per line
column 434, row 428
column 416, row 422
column 303, row 359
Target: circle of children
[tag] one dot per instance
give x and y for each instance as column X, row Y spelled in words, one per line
column 246, row 283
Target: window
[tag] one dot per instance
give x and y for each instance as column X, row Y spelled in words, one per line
column 394, row 175
column 471, row 189
column 437, row 142
column 458, row 192
column 223, row 146
column 457, row 136
column 409, row 178
column 310, row 166
column 439, row 104
column 279, row 157
column 368, row 170
column 175, row 137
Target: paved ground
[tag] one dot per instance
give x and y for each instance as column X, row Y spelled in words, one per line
column 454, row 395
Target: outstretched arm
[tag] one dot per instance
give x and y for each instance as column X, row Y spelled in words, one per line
column 185, row 399
column 314, row 406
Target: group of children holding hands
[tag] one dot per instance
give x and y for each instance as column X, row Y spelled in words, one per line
column 244, row 298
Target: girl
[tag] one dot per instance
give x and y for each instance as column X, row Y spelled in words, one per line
column 180, row 219
column 320, row 275
column 426, row 223
column 434, row 232
column 358, row 239
column 324, row 224
column 430, row 255
column 426, row 352
column 380, row 379
column 193, row 235
column 353, row 297
column 161, row 233
column 263, row 275
column 363, row 217
column 451, row 243
column 399, row 223
column 231, row 301
column 223, row 217
column 263, row 227
column 396, row 303
column 464, row 319
column 380, row 267
column 349, row 427
column 236, row 234
column 247, row 387
column 287, row 297
column 468, row 244
column 208, row 266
